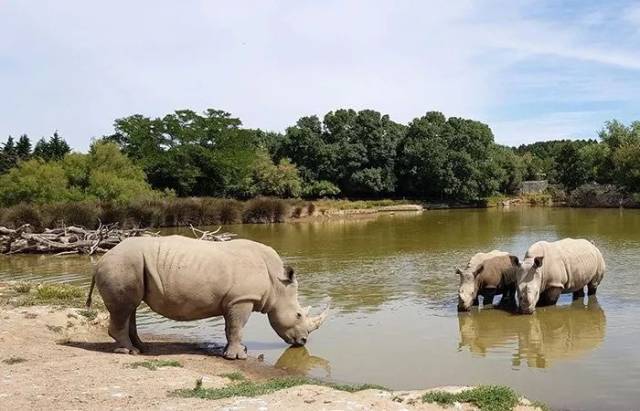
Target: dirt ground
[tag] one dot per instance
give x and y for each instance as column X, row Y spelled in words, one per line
column 55, row 358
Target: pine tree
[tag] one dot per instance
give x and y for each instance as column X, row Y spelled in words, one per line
column 58, row 147
column 41, row 149
column 8, row 158
column 54, row 149
column 23, row 147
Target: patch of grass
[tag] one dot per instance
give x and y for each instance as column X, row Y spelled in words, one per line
column 56, row 292
column 247, row 388
column 485, row 397
column 359, row 204
column 89, row 314
column 541, row 405
column 13, row 360
column 22, row 288
column 155, row 364
column 234, row 376
column 55, row 328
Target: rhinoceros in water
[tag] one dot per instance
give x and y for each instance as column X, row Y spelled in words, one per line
column 488, row 274
column 551, row 269
column 186, row 279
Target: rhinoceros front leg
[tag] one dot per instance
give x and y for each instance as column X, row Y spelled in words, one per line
column 235, row 319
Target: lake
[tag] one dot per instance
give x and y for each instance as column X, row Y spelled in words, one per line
column 394, row 292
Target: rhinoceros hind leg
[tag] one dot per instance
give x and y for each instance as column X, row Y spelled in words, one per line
column 592, row 287
column 578, row 294
column 119, row 331
column 235, row 319
column 133, row 333
column 476, row 301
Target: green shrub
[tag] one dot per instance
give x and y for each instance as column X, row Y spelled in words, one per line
column 264, row 210
column 320, row 189
column 34, row 181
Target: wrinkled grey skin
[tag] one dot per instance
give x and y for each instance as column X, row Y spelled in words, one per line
column 186, row 279
column 561, row 267
column 487, row 275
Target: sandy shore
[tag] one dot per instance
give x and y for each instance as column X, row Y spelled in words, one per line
column 57, row 358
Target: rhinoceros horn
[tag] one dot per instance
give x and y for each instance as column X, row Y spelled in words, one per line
column 316, row 322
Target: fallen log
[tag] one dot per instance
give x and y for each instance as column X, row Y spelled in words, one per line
column 79, row 240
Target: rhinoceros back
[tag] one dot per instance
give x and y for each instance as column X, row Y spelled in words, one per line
column 188, row 279
column 569, row 263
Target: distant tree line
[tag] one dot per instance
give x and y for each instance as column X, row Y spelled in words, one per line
column 355, row 154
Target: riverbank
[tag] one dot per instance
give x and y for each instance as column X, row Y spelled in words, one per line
column 56, row 353
column 197, row 211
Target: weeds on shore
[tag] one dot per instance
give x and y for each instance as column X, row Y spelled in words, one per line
column 234, row 376
column 173, row 211
column 247, row 388
column 61, row 295
column 54, row 292
column 155, row 364
column 89, row 314
column 13, row 360
column 485, row 397
column 22, row 288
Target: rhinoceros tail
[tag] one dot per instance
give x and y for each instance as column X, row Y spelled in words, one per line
column 93, row 283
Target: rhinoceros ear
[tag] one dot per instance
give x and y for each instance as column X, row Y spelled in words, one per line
column 514, row 260
column 537, row 262
column 289, row 275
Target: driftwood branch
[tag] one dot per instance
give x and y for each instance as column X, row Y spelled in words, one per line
column 67, row 240
column 211, row 235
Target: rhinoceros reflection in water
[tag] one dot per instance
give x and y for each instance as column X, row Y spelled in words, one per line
column 553, row 333
column 298, row 360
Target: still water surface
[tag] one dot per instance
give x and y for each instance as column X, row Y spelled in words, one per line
column 394, row 321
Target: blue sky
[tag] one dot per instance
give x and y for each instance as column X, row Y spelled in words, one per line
column 532, row 70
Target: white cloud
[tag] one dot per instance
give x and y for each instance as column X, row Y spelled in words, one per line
column 76, row 66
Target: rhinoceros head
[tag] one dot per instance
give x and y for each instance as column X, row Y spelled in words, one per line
column 468, row 289
column 289, row 320
column 529, row 277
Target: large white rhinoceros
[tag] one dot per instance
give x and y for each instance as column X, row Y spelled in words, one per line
column 186, row 279
column 551, row 269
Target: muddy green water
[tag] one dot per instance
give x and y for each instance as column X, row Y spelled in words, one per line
column 394, row 321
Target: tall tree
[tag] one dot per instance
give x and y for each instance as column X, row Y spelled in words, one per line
column 190, row 153
column 355, row 150
column 449, row 159
column 53, row 149
column 23, row 147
